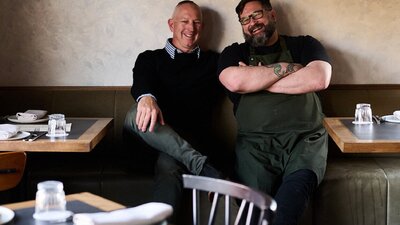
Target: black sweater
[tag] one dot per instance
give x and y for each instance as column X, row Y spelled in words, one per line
column 185, row 87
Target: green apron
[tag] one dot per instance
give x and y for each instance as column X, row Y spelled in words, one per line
column 278, row 134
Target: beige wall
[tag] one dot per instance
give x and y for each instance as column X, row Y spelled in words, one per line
column 95, row 42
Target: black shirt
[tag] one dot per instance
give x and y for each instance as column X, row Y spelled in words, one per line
column 303, row 49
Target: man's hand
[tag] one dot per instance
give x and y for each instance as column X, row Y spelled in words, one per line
column 148, row 114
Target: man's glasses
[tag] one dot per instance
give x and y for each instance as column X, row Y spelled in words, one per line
column 255, row 16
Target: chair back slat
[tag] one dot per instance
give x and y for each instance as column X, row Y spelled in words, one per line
column 227, row 209
column 213, row 209
column 249, row 213
column 250, row 199
column 196, row 206
column 240, row 212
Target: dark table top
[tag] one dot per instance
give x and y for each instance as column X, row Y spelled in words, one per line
column 371, row 138
column 25, row 216
column 85, row 134
column 383, row 131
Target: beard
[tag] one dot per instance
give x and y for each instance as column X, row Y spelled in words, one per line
column 260, row 39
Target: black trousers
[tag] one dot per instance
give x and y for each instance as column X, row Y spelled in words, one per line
column 293, row 196
column 168, row 185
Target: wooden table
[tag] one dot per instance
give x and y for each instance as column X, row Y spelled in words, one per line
column 85, row 134
column 372, row 138
column 86, row 197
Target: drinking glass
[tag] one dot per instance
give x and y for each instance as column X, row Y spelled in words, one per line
column 50, row 202
column 363, row 114
column 57, row 126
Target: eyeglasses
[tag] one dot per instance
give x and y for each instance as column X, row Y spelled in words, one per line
column 255, row 16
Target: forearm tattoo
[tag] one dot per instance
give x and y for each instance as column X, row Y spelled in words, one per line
column 279, row 72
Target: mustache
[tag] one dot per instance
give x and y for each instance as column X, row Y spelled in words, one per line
column 255, row 26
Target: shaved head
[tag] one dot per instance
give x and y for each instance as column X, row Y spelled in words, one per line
column 180, row 4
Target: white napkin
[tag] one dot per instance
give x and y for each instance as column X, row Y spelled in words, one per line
column 7, row 131
column 396, row 114
column 31, row 115
column 146, row 214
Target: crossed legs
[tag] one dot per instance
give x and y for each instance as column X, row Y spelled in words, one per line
column 166, row 140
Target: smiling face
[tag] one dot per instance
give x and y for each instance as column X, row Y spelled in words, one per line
column 260, row 30
column 186, row 25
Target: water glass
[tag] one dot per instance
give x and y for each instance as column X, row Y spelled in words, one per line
column 57, row 126
column 363, row 114
column 50, row 202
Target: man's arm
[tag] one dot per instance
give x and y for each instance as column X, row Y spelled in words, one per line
column 144, row 76
column 315, row 76
column 144, row 80
column 247, row 79
column 275, row 78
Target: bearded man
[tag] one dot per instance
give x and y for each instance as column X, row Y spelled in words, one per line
column 281, row 145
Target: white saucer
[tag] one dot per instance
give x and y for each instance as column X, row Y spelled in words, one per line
column 16, row 120
column 53, row 216
column 18, row 136
column 361, row 123
column 391, row 119
column 6, row 215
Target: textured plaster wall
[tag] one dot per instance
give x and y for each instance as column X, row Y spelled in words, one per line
column 95, row 42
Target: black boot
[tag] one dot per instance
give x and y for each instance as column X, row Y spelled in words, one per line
column 210, row 171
